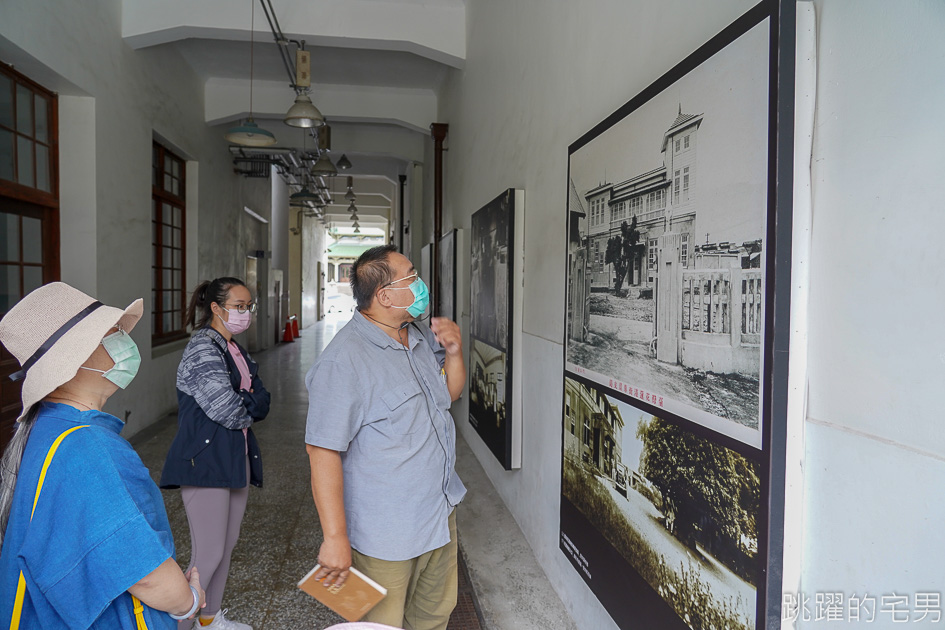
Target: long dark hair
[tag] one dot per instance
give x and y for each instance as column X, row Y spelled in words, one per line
column 206, row 293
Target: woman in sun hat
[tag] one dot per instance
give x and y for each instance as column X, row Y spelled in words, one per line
column 85, row 538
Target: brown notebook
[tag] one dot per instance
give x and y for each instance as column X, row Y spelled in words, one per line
column 352, row 599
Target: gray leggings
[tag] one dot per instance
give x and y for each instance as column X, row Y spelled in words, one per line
column 211, row 513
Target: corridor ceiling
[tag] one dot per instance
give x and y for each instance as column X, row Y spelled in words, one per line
column 377, row 69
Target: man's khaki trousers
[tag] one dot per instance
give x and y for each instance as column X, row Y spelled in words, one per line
column 421, row 592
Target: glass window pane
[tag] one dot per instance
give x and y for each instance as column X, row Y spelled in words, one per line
column 6, row 155
column 176, row 237
column 168, row 277
column 175, row 216
column 177, row 319
column 167, row 301
column 175, row 187
column 167, row 182
column 32, row 240
column 168, row 322
column 42, row 168
column 41, row 105
column 177, row 259
column 166, row 235
column 154, row 233
column 32, row 278
column 24, row 110
column 24, row 161
column 166, row 258
column 6, row 101
column 9, row 287
column 10, row 238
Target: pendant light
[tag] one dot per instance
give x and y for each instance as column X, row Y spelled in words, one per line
column 303, row 113
column 324, row 166
column 303, row 196
column 349, row 196
column 250, row 134
column 344, row 163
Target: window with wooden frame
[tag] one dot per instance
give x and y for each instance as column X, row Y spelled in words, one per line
column 168, row 232
column 29, row 209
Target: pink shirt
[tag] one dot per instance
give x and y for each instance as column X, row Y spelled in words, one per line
column 246, row 381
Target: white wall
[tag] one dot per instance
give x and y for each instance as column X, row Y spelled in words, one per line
column 314, row 250
column 875, row 445
column 538, row 75
column 115, row 100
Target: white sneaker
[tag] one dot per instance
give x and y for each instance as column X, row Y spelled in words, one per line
column 220, row 622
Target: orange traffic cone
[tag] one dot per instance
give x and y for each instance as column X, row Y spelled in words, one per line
column 287, row 335
column 295, row 326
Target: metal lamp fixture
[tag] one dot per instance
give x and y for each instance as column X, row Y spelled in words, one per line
column 344, row 163
column 349, row 196
column 304, row 195
column 324, row 166
column 303, row 113
column 352, row 207
column 250, row 134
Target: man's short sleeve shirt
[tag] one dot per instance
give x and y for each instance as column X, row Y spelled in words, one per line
column 385, row 407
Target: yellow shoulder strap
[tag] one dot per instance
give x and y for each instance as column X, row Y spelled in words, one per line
column 21, row 583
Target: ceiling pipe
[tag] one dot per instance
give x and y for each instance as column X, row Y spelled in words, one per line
column 438, row 131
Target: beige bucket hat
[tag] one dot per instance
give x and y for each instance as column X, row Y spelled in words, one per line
column 54, row 330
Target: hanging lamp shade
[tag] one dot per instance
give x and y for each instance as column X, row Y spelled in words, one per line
column 304, row 195
column 249, row 134
column 344, row 163
column 324, row 167
column 357, row 230
column 354, row 217
column 355, row 225
column 304, row 113
column 352, row 207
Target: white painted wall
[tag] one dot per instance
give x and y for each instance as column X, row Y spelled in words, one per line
column 115, row 101
column 875, row 445
column 539, row 76
column 314, row 250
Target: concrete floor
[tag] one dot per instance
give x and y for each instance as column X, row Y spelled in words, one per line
column 503, row 589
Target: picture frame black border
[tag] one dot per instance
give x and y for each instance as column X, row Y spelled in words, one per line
column 506, row 460
column 451, row 235
column 778, row 234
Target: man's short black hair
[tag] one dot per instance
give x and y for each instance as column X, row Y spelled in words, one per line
column 370, row 272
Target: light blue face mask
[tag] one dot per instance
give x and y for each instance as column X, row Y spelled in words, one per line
column 124, row 352
column 421, row 296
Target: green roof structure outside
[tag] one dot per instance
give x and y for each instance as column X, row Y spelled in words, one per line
column 340, row 250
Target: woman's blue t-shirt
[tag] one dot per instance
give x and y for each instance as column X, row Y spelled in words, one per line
column 99, row 527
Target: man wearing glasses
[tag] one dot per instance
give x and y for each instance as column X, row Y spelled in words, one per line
column 382, row 445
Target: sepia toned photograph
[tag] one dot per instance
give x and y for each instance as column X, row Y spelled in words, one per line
column 682, row 511
column 667, row 215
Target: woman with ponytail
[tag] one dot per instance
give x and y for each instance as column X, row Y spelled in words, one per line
column 214, row 456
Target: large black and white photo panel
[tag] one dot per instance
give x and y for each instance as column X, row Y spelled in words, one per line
column 496, row 241
column 673, row 394
column 668, row 210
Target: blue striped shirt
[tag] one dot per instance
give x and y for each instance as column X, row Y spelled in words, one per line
column 385, row 407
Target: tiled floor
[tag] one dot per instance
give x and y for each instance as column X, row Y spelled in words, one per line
column 281, row 534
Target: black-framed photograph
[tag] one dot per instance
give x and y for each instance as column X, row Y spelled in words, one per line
column 677, row 206
column 495, row 321
column 664, row 523
column 668, row 212
column 446, row 276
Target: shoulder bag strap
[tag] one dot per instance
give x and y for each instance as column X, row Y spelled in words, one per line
column 21, row 583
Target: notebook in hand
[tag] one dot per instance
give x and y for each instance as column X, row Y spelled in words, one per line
column 352, row 599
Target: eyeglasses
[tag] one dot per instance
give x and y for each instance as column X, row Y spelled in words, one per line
column 413, row 275
column 244, row 308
